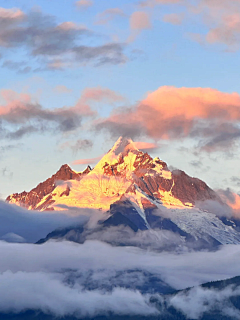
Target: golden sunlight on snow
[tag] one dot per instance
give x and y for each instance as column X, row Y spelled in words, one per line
column 113, row 177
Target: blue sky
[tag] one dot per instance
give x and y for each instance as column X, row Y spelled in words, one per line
column 67, row 68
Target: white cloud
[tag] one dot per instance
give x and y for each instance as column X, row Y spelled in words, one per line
column 178, row 270
column 37, row 276
column 197, row 301
column 47, row 292
column 32, row 225
column 84, row 4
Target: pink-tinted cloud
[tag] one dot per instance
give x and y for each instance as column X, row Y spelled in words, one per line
column 13, row 13
column 62, row 89
column 173, row 18
column 227, row 31
column 193, row 103
column 145, row 145
column 97, row 94
column 15, row 104
column 13, row 101
column 52, row 46
column 84, row 4
column 222, row 19
column 69, row 25
column 21, row 115
column 174, row 113
column 87, row 161
column 101, row 94
column 236, row 204
column 153, row 3
column 109, row 15
column 24, row 115
column 232, row 199
column 139, row 21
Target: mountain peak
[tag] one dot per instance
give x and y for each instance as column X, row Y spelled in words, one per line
column 87, row 170
column 64, row 167
column 122, row 145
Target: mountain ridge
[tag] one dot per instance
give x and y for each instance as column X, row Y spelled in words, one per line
column 31, row 199
column 123, row 171
column 137, row 192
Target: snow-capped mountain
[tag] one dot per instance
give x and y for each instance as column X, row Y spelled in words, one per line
column 123, row 171
column 136, row 190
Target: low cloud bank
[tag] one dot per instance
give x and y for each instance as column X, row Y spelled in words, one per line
column 226, row 205
column 157, row 240
column 177, row 270
column 229, row 207
column 21, row 291
column 64, row 278
column 30, row 226
column 219, row 209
